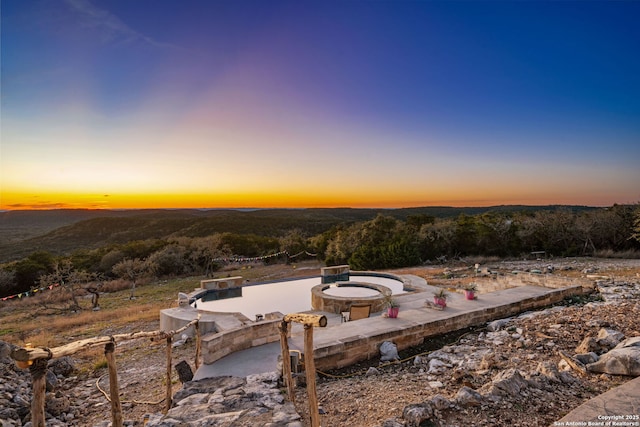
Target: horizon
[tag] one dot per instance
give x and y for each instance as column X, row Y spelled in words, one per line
column 313, row 207
column 379, row 105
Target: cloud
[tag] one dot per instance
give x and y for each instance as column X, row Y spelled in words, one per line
column 110, row 28
column 40, row 205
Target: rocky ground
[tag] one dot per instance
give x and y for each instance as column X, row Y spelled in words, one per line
column 507, row 374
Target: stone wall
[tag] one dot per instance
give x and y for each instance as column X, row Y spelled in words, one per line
column 352, row 349
column 218, row 345
column 322, row 301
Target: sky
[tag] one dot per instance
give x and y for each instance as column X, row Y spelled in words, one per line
column 224, row 104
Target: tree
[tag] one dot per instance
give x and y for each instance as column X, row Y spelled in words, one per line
column 7, row 282
column 466, row 235
column 437, row 239
column 29, row 270
column 132, row 270
column 636, row 224
column 70, row 279
column 110, row 259
column 294, row 243
column 202, row 255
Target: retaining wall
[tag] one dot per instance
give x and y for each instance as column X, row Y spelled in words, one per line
column 218, row 345
column 363, row 341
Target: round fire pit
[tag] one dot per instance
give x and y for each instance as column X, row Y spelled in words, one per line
column 338, row 297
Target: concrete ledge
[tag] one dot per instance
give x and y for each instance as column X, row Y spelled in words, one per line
column 224, row 283
column 620, row 404
column 175, row 318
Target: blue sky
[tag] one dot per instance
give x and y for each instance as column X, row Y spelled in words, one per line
column 352, row 103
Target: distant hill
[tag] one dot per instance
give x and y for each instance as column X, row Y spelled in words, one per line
column 63, row 231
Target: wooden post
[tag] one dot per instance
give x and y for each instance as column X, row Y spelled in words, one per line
column 168, row 398
column 114, row 391
column 38, row 371
column 286, row 360
column 310, row 369
column 309, row 321
column 198, row 342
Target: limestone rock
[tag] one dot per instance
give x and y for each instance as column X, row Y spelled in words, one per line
column 57, row 406
column 226, row 401
column 467, row 396
column 549, row 370
column 609, row 338
column 624, row 359
column 440, row 402
column 63, row 366
column 588, row 345
column 415, row 414
column 372, row 371
column 507, row 383
column 437, row 366
column 586, row 358
column 388, row 352
column 497, row 325
column 392, row 422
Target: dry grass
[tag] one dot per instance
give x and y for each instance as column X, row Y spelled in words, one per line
column 28, row 321
column 608, row 253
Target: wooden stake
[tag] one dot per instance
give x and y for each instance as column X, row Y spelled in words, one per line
column 286, row 360
column 310, row 368
column 574, row 364
column 168, row 398
column 38, row 373
column 114, row 391
column 198, row 343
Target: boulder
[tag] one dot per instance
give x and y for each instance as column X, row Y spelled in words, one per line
column 549, row 370
column 64, row 366
column 507, row 383
column 624, row 359
column 415, row 414
column 388, row 352
column 440, row 402
column 467, row 396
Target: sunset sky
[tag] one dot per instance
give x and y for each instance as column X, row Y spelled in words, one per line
column 174, row 103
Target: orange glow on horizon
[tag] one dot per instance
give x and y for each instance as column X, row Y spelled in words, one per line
column 265, row 201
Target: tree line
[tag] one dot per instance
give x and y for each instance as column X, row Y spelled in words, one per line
column 380, row 243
